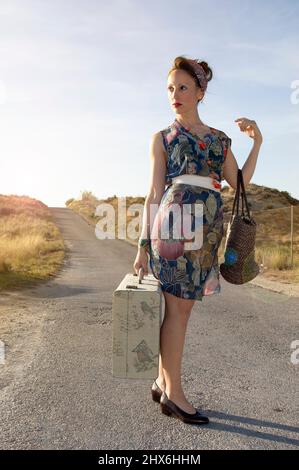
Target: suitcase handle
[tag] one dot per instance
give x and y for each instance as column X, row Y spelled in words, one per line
column 140, row 278
column 140, row 275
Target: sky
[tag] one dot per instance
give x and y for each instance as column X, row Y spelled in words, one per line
column 83, row 87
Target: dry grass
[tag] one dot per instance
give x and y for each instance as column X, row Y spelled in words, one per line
column 31, row 245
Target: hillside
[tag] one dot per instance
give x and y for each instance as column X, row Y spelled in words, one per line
column 260, row 197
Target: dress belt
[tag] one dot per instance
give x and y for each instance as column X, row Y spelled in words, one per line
column 197, row 180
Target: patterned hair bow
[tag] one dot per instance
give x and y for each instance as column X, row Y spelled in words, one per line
column 200, row 73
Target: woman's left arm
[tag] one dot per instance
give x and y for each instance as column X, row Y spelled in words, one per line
column 231, row 166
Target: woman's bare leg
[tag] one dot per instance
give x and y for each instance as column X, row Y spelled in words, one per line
column 161, row 379
column 172, row 334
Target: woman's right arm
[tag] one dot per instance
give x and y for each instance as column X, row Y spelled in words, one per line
column 156, row 190
column 156, row 180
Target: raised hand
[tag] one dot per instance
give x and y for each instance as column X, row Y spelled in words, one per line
column 251, row 128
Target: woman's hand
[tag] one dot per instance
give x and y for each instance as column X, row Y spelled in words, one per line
column 251, row 128
column 141, row 261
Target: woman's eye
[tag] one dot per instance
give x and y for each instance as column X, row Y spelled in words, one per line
column 170, row 88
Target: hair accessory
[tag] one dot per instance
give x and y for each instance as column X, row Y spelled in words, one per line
column 200, row 73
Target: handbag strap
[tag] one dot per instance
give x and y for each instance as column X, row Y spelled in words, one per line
column 236, row 199
column 240, row 184
column 244, row 194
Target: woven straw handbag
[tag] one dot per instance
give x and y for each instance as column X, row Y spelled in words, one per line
column 239, row 252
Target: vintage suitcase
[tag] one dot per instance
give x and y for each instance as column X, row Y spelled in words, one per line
column 138, row 306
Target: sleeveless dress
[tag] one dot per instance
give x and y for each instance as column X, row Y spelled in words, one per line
column 184, row 272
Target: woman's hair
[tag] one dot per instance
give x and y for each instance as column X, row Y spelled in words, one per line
column 181, row 63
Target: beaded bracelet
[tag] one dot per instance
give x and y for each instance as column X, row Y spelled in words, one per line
column 144, row 243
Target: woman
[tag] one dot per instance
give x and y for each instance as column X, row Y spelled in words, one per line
column 192, row 159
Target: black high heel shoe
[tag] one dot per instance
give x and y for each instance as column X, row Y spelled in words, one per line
column 156, row 392
column 169, row 408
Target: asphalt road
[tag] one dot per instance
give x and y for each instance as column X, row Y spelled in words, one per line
column 57, row 390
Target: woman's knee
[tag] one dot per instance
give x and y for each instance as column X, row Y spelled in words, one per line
column 178, row 306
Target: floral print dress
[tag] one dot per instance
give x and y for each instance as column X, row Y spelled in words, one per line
column 181, row 271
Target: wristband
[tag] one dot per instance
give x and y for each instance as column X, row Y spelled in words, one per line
column 144, row 243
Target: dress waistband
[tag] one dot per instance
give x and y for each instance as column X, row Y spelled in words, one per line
column 197, row 180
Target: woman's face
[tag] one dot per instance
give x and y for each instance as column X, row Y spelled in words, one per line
column 181, row 88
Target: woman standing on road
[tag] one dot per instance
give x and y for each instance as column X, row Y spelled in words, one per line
column 192, row 159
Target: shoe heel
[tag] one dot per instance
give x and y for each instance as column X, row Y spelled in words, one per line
column 156, row 396
column 165, row 410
